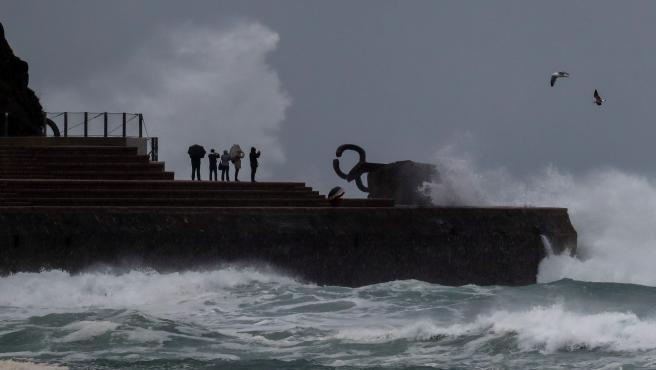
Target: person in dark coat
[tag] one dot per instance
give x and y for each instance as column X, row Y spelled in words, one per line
column 196, row 152
column 224, row 166
column 253, row 156
column 213, row 159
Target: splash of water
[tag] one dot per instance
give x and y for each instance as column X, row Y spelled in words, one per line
column 613, row 211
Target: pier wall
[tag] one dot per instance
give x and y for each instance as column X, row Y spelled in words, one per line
column 333, row 246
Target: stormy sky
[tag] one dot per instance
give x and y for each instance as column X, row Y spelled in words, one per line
column 404, row 79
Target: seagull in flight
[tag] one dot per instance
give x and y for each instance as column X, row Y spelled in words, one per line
column 598, row 99
column 555, row 75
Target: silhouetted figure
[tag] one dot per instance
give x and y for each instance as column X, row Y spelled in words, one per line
column 253, row 156
column 196, row 152
column 213, row 159
column 224, row 166
column 236, row 154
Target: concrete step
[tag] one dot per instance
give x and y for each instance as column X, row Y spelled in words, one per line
column 187, row 202
column 158, row 193
column 90, row 175
column 145, row 184
column 177, row 202
column 67, row 149
column 86, row 172
column 351, row 202
column 62, row 157
column 73, row 166
column 42, row 141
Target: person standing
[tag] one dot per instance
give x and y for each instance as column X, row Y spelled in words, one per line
column 253, row 156
column 196, row 152
column 224, row 166
column 236, row 154
column 213, row 157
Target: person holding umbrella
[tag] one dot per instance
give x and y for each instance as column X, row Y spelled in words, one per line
column 196, row 152
column 236, row 154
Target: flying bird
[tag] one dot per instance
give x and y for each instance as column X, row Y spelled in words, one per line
column 598, row 99
column 555, row 76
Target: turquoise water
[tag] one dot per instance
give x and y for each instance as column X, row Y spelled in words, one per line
column 249, row 318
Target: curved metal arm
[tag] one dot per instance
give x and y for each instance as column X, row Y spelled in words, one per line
column 338, row 170
column 53, row 127
column 344, row 147
column 360, row 185
column 358, row 169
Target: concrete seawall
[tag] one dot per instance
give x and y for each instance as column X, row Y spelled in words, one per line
column 334, row 246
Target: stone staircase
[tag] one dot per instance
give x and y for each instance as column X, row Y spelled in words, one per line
column 79, row 162
column 70, row 174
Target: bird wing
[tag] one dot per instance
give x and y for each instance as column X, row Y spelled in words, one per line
column 553, row 79
column 596, row 95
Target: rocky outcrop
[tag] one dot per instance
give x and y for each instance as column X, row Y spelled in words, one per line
column 25, row 111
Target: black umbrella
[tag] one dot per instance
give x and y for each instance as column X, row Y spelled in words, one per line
column 196, row 151
column 335, row 195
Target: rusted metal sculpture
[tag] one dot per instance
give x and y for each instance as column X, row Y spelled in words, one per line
column 402, row 181
column 359, row 169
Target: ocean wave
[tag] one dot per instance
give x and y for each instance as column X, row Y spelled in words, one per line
column 545, row 329
column 85, row 330
column 59, row 289
column 26, row 365
column 613, row 211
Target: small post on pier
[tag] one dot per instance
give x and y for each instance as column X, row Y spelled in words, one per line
column 6, row 125
column 65, row 124
column 125, row 121
column 140, row 125
column 86, row 124
column 105, row 124
column 154, row 148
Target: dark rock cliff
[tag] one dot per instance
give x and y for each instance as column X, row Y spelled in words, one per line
column 25, row 111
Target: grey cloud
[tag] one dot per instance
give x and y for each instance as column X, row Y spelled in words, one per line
column 400, row 78
column 195, row 84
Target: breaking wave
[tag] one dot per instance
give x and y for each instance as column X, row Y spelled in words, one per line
column 59, row 289
column 253, row 319
column 614, row 213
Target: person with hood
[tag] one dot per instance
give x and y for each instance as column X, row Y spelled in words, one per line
column 236, row 154
column 196, row 152
column 213, row 159
column 253, row 156
column 224, row 166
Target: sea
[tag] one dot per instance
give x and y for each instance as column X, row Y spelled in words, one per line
column 595, row 310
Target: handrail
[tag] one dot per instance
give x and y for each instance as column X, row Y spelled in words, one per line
column 120, row 120
column 111, row 122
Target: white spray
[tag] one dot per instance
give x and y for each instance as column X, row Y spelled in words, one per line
column 614, row 213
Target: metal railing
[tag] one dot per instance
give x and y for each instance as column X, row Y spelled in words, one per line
column 103, row 124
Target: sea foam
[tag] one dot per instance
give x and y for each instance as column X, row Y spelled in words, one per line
column 25, row 365
column 613, row 211
column 58, row 289
column 546, row 329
